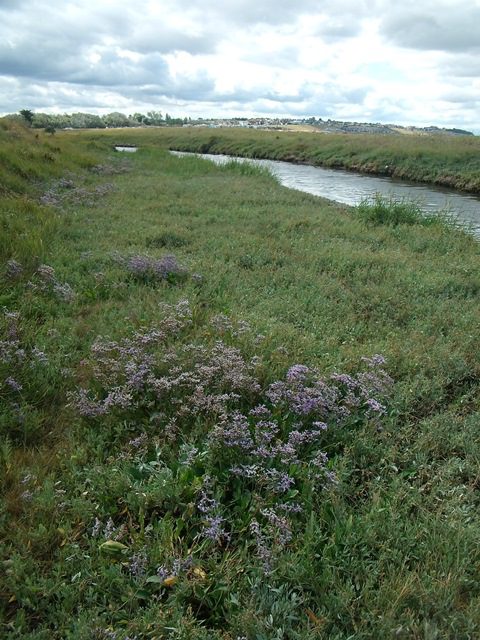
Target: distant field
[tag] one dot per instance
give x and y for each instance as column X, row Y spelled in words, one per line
column 231, row 410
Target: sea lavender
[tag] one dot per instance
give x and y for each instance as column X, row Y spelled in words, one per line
column 138, row 564
column 150, row 268
column 279, row 524
column 213, row 528
column 47, row 282
column 13, row 269
column 13, row 384
column 264, row 552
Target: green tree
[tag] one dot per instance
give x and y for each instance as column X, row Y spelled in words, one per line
column 155, row 118
column 116, row 119
column 27, row 115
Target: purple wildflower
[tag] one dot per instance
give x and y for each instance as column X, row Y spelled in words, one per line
column 166, row 266
column 189, row 452
column 161, row 269
column 375, row 406
column 280, row 524
column 279, row 481
column 234, row 432
column 206, row 504
column 39, row 356
column 13, row 384
column 97, row 526
column 63, row 291
column 245, row 471
column 138, row 565
column 214, row 529
column 376, row 360
column 13, row 270
column 163, row 572
column 110, row 529
column 86, row 406
column 139, row 441
column 290, row 507
column 297, row 373
column 261, row 411
column 46, row 273
column 264, row 552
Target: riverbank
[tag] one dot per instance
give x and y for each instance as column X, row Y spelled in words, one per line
column 229, row 467
column 353, row 188
column 452, row 162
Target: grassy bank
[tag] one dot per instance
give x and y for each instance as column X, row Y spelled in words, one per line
column 439, row 160
column 231, row 466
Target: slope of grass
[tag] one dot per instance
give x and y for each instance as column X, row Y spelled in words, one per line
column 133, row 503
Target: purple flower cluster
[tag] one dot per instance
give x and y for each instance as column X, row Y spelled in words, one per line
column 147, row 268
column 213, row 528
column 175, row 567
column 46, row 281
column 109, row 169
column 108, row 531
column 225, row 325
column 307, row 394
column 108, row 634
column 16, row 358
column 143, row 371
column 269, row 442
column 137, row 565
column 64, row 191
column 13, row 270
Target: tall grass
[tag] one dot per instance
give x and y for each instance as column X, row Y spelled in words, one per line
column 391, row 211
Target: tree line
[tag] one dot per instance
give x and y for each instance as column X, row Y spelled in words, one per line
column 90, row 121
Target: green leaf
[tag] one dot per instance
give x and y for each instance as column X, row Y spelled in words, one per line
column 113, row 547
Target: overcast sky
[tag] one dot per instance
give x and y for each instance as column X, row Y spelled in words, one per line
column 409, row 62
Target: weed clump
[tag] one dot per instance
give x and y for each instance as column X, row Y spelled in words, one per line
column 168, row 239
column 381, row 210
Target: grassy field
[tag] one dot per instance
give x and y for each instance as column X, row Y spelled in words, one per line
column 229, row 410
column 442, row 160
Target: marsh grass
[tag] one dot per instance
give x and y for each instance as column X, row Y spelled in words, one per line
column 448, row 161
column 120, row 518
column 391, row 211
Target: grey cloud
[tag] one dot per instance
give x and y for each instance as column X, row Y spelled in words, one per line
column 9, row 5
column 462, row 66
column 163, row 40
column 248, row 12
column 339, row 28
column 433, row 26
column 241, row 13
column 462, row 96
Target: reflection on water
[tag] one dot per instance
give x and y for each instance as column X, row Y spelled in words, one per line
column 350, row 188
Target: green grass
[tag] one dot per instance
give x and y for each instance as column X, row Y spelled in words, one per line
column 391, row 551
